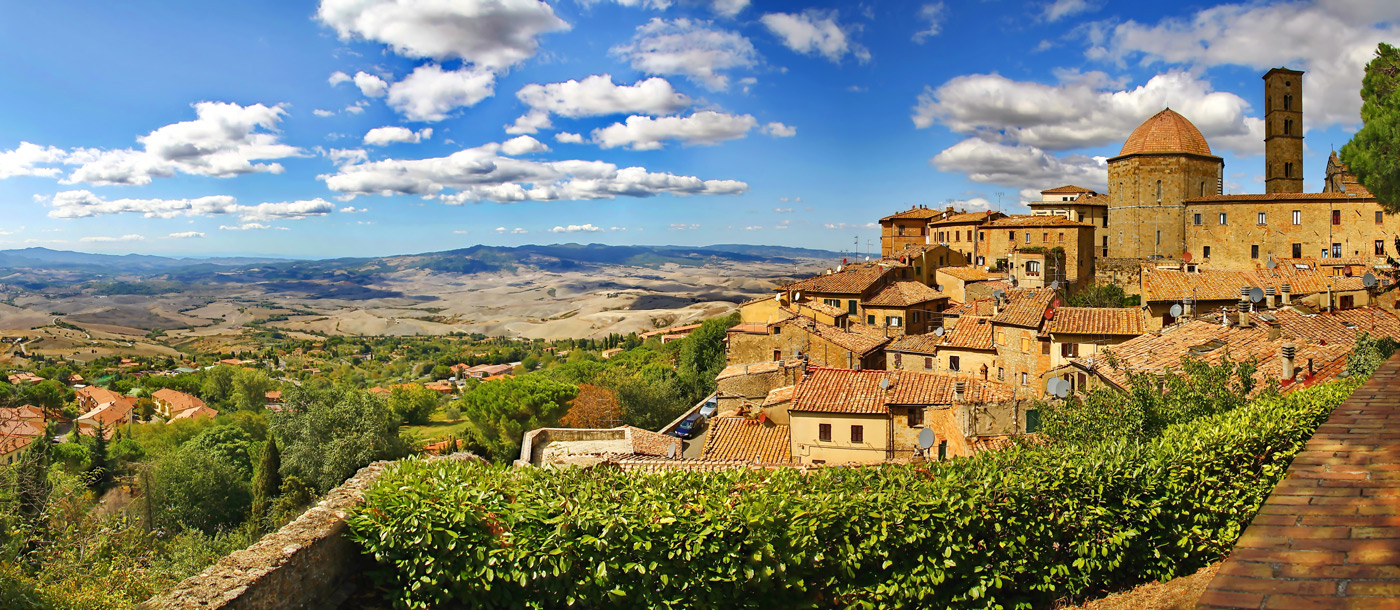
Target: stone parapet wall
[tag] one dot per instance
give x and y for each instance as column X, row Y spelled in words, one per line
column 1126, row 273
column 309, row 563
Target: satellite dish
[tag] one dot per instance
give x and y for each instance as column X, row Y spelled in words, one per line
column 1271, row 264
column 671, row 451
column 885, row 383
column 938, row 332
column 938, row 287
column 1049, row 313
column 1368, row 280
column 997, row 294
column 1186, row 256
column 1014, row 282
column 778, row 297
column 1175, row 311
column 1061, row 389
column 1053, row 386
column 926, row 438
column 1055, row 285
column 1256, row 294
column 796, row 296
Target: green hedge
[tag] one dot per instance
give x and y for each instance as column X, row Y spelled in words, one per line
column 1008, row 529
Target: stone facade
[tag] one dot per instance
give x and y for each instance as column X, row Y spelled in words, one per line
column 1283, row 131
column 1146, row 216
column 1041, row 234
column 1255, row 227
column 807, row 448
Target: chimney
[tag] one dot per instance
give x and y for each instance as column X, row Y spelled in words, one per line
column 1285, row 289
column 1269, row 297
column 1275, row 330
column 959, row 389
column 1289, row 350
column 1244, row 313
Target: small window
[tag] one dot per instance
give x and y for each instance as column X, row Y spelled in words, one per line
column 857, row 434
column 1297, row 250
column 851, row 307
column 1336, row 217
column 1223, row 219
column 1032, row 421
column 1033, row 267
column 901, row 230
column 894, row 321
column 824, row 433
column 1336, row 250
column 1205, row 252
column 1159, row 238
column 898, row 360
column 1288, row 169
column 1025, row 379
column 1380, row 247
column 870, row 319
column 1025, row 344
column 1297, row 217
column 1378, row 217
column 982, row 235
column 832, row 303
column 1011, row 235
column 777, row 330
column 1028, row 237
column 916, row 417
column 1159, row 190
column 954, row 363
column 1263, row 218
column 1287, row 130
column 1001, row 374
column 1287, row 102
column 928, row 363
column 1196, row 219
column 1045, row 237
column 1045, row 348
column 777, row 354
column 1254, row 251
column 1062, row 237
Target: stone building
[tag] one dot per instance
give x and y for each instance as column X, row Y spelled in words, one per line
column 821, row 335
column 921, row 226
column 1046, row 248
column 1292, row 281
column 1080, row 205
column 1164, row 162
column 1084, row 332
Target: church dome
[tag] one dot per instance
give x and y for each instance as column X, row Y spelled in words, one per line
column 1166, row 132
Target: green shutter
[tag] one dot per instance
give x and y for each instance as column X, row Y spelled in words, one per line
column 851, row 306
column 1032, row 421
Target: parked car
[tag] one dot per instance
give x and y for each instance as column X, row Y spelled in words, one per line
column 688, row 428
column 708, row 409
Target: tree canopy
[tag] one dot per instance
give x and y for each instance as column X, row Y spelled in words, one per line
column 500, row 412
column 1373, row 154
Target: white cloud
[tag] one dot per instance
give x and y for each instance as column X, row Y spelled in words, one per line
column 515, row 231
column 371, row 85
column 933, row 15
column 689, row 48
column 357, row 107
column 1021, row 166
column 225, row 140
column 587, row 228
column 493, row 34
column 565, row 137
column 647, row 133
column 460, row 232
column 783, row 210
column 338, row 77
column 1059, row 9
column 729, row 8
column 597, row 96
column 530, row 122
column 1331, row 39
column 27, row 160
column 726, row 8
column 843, row 225
column 431, row 93
column 347, row 155
column 186, row 235
column 484, row 173
column 84, row 204
column 8, row 232
column 350, row 209
column 976, row 203
column 383, row 136
column 683, row 227
column 100, row 238
column 779, row 130
column 323, row 113
column 522, row 145
column 815, row 32
column 248, row 226
column 753, row 228
column 1084, row 110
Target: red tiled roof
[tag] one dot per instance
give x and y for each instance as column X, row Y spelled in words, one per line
column 1166, row 132
column 178, row 401
column 199, row 412
column 17, row 427
column 966, row 274
column 915, row 388
column 1168, row 285
column 972, row 332
column 915, row 344
column 778, row 396
column 10, row 444
column 1069, row 189
column 854, row 279
column 1097, row 321
column 673, row 329
column 1030, row 220
column 918, row 213
column 738, row 438
column 861, row 392
column 1372, row 320
column 965, row 218
column 979, row 307
column 903, row 294
column 1025, row 307
column 1280, row 197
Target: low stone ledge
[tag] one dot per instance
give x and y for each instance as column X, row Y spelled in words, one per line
column 305, row 564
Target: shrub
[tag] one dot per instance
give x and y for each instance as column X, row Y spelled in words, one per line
column 1015, row 528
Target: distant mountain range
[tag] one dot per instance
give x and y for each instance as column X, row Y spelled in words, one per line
column 28, row 266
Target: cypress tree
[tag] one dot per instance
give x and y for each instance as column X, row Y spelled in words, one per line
column 266, row 482
column 99, row 474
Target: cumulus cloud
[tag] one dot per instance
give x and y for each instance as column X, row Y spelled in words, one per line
column 186, row 235
column 1331, row 39
column 530, row 122
column 430, row 93
column 597, row 96
column 488, row 173
column 1084, row 110
column 690, row 48
column 683, row 227
column 347, row 155
column 350, row 209
column 726, row 8
column 102, row 238
column 29, row 160
column 932, row 15
column 565, row 137
column 323, row 113
column 383, row 136
column 647, row 133
column 338, row 77
column 779, row 130
column 225, row 140
column 493, row 34
column 515, row 231
column 1059, row 9
column 815, row 32
column 371, row 85
column 586, row 228
column 1021, row 165
column 85, row 204
column 522, row 145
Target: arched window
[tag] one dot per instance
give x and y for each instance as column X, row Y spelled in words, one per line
column 1287, row 102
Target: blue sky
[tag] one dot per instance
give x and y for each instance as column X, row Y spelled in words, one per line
column 374, row 127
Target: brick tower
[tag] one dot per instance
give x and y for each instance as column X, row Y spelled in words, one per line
column 1283, row 131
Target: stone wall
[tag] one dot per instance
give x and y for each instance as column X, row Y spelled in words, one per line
column 1125, row 273
column 309, row 563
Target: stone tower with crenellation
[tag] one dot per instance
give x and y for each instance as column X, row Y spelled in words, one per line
column 1283, row 131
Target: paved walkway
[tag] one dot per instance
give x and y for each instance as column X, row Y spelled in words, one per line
column 1329, row 535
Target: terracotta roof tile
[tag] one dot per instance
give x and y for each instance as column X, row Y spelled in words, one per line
column 1166, row 132
column 965, row 218
column 1026, row 307
column 904, row 294
column 979, row 307
column 1030, row 220
column 917, row 213
column 9, row 444
column 854, row 279
column 1097, row 321
column 914, row 388
column 860, row 392
column 1069, row 189
column 179, row 401
column 966, row 274
column 972, row 332
column 916, row 344
column 778, row 396
column 738, row 438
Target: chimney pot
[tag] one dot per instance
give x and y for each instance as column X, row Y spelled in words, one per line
column 1244, row 313
column 1286, row 290
column 959, row 390
column 1275, row 330
column 1289, row 351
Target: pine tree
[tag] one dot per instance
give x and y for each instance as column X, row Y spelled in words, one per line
column 99, row 474
column 266, row 482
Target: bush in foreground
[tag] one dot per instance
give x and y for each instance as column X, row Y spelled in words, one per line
column 1009, row 529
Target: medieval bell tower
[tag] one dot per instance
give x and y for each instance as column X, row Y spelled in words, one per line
column 1283, row 131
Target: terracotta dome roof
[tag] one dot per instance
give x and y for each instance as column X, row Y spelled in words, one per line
column 1166, row 132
